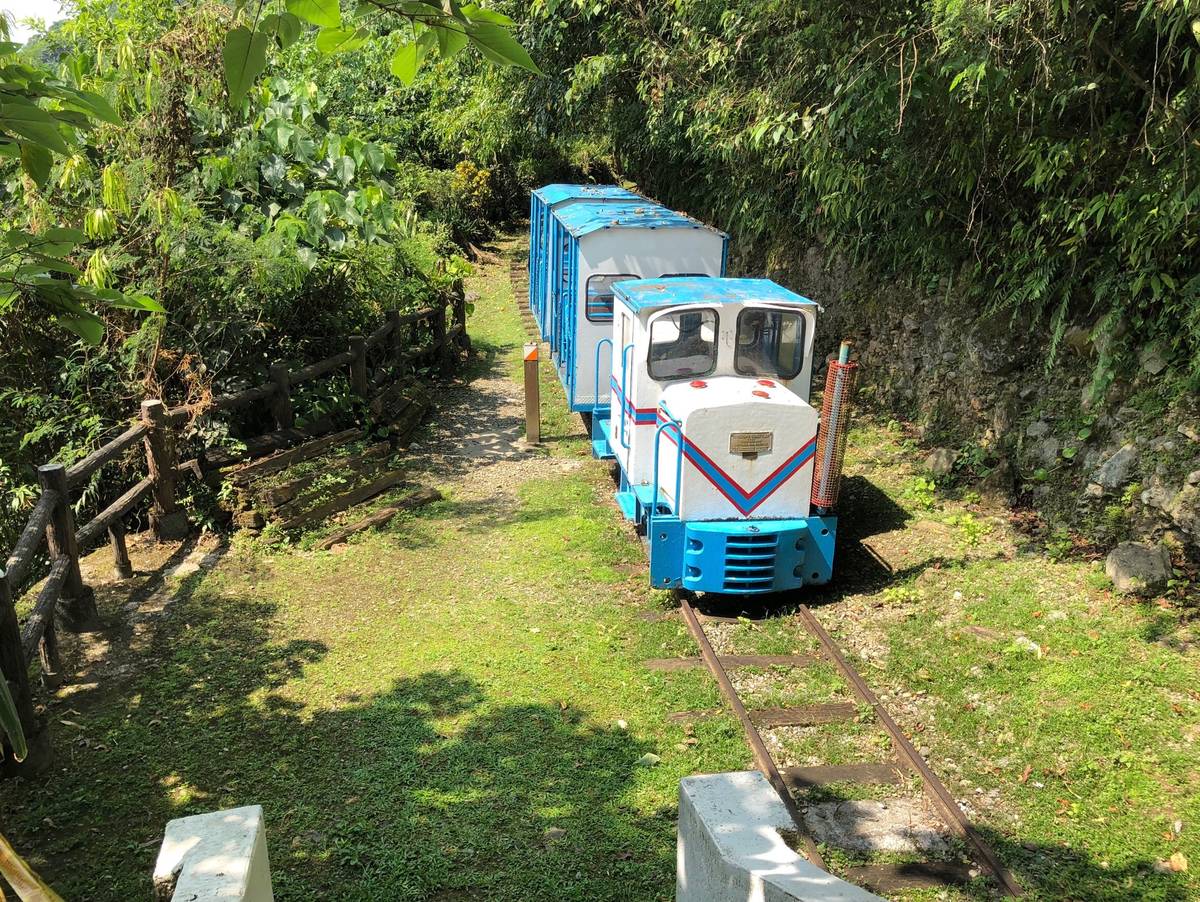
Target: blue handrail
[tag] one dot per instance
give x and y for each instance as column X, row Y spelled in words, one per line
column 624, row 393
column 670, row 422
column 601, row 343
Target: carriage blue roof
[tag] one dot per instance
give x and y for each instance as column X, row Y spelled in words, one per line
column 650, row 294
column 553, row 194
column 583, row 219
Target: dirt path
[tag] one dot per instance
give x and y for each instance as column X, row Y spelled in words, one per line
column 474, row 444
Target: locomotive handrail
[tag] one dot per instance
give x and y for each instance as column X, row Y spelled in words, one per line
column 601, row 343
column 658, row 433
column 624, row 393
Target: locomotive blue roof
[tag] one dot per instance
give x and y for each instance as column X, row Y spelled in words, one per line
column 583, row 219
column 553, row 194
column 651, row 294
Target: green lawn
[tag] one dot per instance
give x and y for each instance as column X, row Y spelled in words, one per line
column 455, row 708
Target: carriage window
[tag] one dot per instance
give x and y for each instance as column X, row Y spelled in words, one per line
column 683, row 345
column 769, row 343
column 600, row 296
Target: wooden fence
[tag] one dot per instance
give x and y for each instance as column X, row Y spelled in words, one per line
column 430, row 337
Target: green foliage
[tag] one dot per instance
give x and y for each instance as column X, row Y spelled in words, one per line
column 432, row 27
column 970, row 528
column 1040, row 156
column 41, row 116
column 1060, row 545
column 922, row 492
column 267, row 232
column 900, row 596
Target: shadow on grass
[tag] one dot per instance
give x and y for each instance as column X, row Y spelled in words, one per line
column 434, row 789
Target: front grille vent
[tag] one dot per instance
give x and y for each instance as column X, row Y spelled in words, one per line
column 750, row 562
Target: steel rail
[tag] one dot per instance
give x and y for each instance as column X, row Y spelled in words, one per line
column 940, row 796
column 762, row 757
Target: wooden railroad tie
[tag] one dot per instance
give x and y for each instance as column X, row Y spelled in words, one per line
column 891, row 877
column 285, row 459
column 732, row 661
column 768, row 718
column 349, row 499
column 417, row 499
column 799, row 778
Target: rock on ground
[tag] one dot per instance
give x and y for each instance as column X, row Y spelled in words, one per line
column 1185, row 508
column 941, row 461
column 893, row 825
column 1138, row 569
column 1114, row 472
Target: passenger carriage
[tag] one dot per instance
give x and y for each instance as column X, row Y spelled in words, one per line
column 593, row 247
column 542, row 205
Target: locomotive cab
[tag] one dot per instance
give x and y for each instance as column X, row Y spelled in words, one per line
column 711, row 425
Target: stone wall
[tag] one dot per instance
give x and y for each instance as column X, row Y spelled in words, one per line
column 977, row 387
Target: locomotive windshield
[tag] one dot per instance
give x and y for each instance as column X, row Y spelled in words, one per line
column 769, row 343
column 683, row 344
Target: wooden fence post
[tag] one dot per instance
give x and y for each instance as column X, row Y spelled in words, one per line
column 77, row 602
column 14, row 668
column 460, row 315
column 443, row 353
column 397, row 342
column 358, row 366
column 167, row 519
column 48, row 655
column 281, row 401
column 122, row 567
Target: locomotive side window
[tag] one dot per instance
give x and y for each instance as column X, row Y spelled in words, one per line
column 599, row 307
column 769, row 343
column 683, row 344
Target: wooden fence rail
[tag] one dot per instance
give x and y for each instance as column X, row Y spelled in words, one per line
column 64, row 599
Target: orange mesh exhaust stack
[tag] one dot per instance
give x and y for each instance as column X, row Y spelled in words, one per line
column 835, row 424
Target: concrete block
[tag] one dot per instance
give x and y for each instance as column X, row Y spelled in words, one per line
column 221, row 855
column 730, row 847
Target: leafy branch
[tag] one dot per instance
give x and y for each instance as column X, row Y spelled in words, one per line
column 446, row 29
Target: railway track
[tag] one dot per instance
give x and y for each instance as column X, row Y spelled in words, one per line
column 880, row 877
column 908, row 760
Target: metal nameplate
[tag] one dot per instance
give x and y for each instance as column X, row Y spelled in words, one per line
column 751, row 442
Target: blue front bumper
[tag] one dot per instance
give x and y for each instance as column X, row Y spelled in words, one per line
column 741, row 556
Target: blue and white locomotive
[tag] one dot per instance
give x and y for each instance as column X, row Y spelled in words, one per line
column 697, row 386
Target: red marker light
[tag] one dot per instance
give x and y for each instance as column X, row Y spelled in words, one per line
column 760, row 394
column 767, row 382
column 698, row 383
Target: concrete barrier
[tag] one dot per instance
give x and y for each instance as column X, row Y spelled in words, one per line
column 221, row 855
column 730, row 848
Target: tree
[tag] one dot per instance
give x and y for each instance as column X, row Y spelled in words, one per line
column 41, row 117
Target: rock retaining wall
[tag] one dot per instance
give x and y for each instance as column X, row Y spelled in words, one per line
column 1125, row 466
